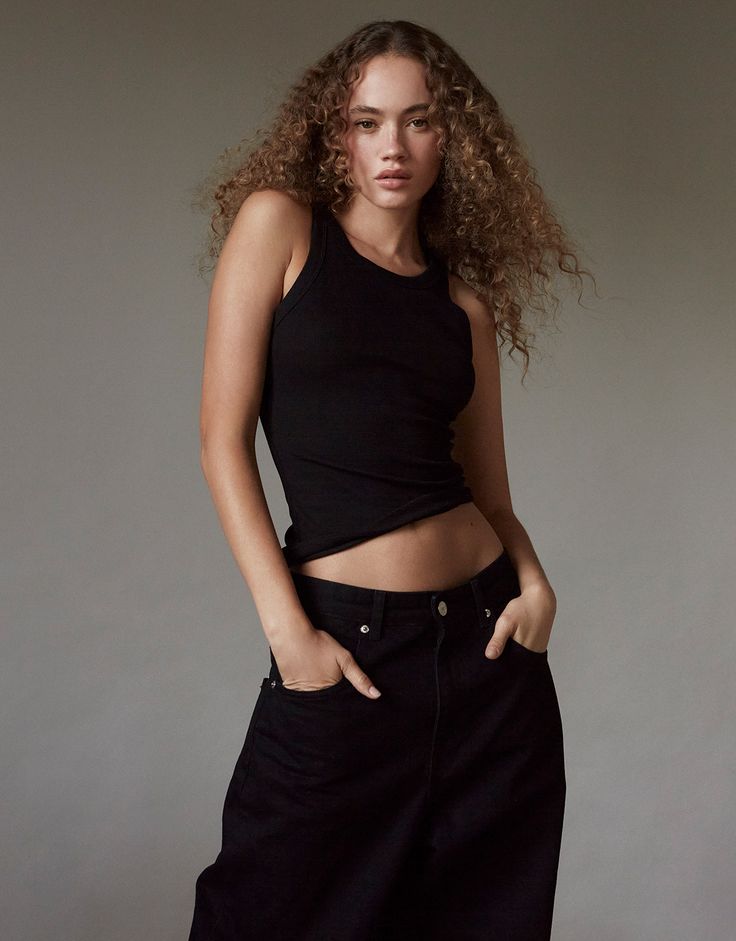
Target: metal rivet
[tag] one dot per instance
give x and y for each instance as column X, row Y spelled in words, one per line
column 442, row 608
column 273, row 683
column 364, row 628
column 488, row 612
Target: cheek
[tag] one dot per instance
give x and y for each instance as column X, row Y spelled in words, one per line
column 430, row 157
column 358, row 154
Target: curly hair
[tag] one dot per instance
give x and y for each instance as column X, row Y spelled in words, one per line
column 485, row 216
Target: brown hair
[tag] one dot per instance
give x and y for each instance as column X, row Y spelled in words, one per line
column 485, row 216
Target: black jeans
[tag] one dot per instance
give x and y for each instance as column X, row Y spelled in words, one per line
column 433, row 812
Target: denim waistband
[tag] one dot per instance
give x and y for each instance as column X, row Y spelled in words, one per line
column 477, row 597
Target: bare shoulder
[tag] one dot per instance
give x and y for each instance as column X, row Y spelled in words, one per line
column 258, row 250
column 476, row 307
column 273, row 216
column 267, row 233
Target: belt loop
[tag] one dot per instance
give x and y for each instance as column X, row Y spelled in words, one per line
column 376, row 625
column 479, row 604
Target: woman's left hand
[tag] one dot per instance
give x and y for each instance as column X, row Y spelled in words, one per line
column 527, row 618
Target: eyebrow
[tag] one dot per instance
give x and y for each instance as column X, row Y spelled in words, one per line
column 367, row 109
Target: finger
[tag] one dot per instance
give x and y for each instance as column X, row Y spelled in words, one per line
column 502, row 630
column 360, row 680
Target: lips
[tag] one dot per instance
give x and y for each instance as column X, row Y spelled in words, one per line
column 393, row 175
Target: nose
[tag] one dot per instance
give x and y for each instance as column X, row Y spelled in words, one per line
column 393, row 146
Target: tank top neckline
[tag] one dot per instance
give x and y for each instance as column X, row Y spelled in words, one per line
column 433, row 269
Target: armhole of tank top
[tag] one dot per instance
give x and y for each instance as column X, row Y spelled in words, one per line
column 447, row 293
column 445, row 282
column 309, row 271
column 466, row 325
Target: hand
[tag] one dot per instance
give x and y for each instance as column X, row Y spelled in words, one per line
column 527, row 619
column 315, row 660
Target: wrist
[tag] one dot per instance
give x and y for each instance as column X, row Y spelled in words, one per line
column 287, row 630
column 541, row 590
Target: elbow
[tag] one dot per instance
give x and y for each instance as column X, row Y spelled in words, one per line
column 498, row 510
column 205, row 461
column 502, row 516
column 205, row 445
column 213, row 450
column 203, row 458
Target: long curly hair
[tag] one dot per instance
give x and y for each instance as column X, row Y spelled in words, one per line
column 485, row 216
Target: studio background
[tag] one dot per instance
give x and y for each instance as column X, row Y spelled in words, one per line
column 131, row 650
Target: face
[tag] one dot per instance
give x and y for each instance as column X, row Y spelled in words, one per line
column 388, row 130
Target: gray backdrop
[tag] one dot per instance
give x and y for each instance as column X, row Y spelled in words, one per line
column 131, row 651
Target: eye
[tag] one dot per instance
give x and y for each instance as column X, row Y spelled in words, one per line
column 366, row 121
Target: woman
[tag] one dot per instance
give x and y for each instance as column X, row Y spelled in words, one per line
column 402, row 775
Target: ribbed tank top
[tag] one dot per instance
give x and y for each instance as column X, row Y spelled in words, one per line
column 366, row 369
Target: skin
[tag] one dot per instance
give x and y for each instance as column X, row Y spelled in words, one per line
column 264, row 252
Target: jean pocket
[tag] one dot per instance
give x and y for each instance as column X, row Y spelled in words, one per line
column 538, row 654
column 320, row 693
column 347, row 632
column 492, row 613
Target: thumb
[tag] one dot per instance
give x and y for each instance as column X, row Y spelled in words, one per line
column 502, row 630
column 360, row 680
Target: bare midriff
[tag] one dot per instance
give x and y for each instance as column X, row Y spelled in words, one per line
column 437, row 552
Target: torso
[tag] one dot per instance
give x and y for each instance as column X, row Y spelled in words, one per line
column 436, row 552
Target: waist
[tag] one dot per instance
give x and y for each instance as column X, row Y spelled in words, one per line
column 435, row 551
column 481, row 596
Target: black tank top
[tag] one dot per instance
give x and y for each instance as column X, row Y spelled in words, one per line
column 366, row 369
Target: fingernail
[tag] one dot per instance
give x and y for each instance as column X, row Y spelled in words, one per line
column 373, row 692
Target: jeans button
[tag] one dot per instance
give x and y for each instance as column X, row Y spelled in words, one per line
column 364, row 628
column 442, row 608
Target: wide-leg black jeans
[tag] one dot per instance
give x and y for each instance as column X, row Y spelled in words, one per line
column 433, row 813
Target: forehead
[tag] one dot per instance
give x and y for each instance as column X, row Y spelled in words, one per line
column 390, row 82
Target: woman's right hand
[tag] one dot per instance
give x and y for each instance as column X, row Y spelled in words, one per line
column 315, row 660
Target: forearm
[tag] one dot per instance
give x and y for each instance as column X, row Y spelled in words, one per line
column 519, row 547
column 232, row 475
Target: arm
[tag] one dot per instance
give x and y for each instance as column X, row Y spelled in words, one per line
column 479, row 447
column 248, row 285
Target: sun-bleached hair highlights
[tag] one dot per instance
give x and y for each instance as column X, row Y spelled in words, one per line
column 486, row 216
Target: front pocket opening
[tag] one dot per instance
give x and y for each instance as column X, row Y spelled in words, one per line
column 324, row 690
column 528, row 650
column 350, row 638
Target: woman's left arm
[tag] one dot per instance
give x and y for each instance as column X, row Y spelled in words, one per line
column 479, row 447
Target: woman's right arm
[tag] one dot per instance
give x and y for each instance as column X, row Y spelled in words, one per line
column 247, row 286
